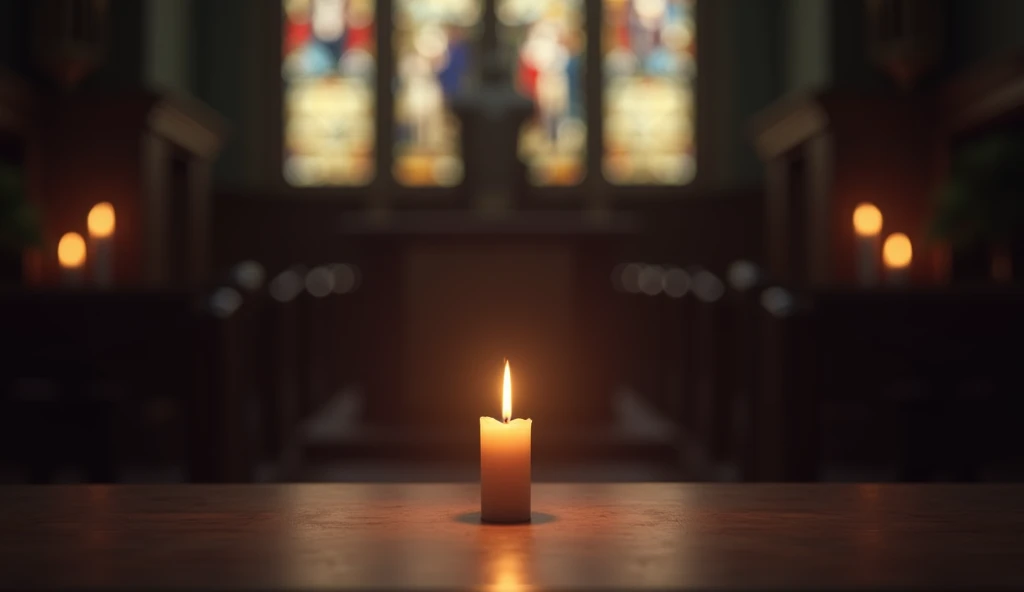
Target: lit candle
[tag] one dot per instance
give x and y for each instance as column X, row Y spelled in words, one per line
column 101, row 223
column 71, row 256
column 505, row 463
column 867, row 225
column 897, row 254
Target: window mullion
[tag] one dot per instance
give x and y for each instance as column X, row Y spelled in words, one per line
column 383, row 186
column 594, row 85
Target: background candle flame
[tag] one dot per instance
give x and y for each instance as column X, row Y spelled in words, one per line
column 71, row 250
column 506, row 395
column 101, row 220
column 867, row 220
column 897, row 252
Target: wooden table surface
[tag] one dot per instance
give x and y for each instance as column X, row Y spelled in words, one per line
column 585, row 536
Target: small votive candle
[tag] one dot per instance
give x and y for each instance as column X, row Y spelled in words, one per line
column 71, row 256
column 897, row 254
column 867, row 226
column 505, row 463
column 101, row 222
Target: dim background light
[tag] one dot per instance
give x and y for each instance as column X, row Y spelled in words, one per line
column 897, row 251
column 101, row 220
column 71, row 250
column 867, row 220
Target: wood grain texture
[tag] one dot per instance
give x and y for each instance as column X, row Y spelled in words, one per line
column 625, row 536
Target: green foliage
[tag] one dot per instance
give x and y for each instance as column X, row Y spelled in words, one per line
column 19, row 222
column 983, row 199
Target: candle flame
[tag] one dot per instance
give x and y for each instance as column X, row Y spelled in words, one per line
column 897, row 252
column 867, row 220
column 101, row 220
column 506, row 395
column 71, row 250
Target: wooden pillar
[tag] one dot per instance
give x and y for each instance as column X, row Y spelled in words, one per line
column 200, row 184
column 155, row 200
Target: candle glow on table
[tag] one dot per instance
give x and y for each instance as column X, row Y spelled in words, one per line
column 71, row 256
column 505, row 463
column 897, row 254
column 101, row 222
column 867, row 225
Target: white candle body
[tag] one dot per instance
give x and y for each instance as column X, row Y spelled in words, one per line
column 505, row 470
column 71, row 277
column 869, row 255
column 101, row 253
column 897, row 276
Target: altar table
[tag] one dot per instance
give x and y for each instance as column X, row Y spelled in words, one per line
column 584, row 536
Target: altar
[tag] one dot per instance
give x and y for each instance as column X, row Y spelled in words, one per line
column 639, row 536
column 455, row 294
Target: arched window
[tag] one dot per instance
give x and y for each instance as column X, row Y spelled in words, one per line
column 332, row 126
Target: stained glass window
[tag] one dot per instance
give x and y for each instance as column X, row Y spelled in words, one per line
column 329, row 67
column 649, row 65
column 548, row 40
column 434, row 61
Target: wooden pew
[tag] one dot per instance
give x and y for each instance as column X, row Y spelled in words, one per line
column 835, row 346
column 285, row 414
column 744, row 304
column 675, row 328
column 275, row 377
column 350, row 308
column 641, row 332
column 99, row 352
column 282, row 418
column 939, row 341
column 220, row 446
column 320, row 316
column 710, row 370
column 715, row 373
column 289, row 287
column 323, row 312
column 186, row 347
column 653, row 328
column 784, row 410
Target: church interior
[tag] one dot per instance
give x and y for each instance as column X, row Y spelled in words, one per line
column 297, row 240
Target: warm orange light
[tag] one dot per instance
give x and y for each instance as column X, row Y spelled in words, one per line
column 509, row 572
column 897, row 251
column 506, row 395
column 101, row 220
column 867, row 220
column 71, row 250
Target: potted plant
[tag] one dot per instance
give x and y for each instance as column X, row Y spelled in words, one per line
column 19, row 225
column 980, row 208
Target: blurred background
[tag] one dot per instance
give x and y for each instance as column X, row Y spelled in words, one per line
column 295, row 240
